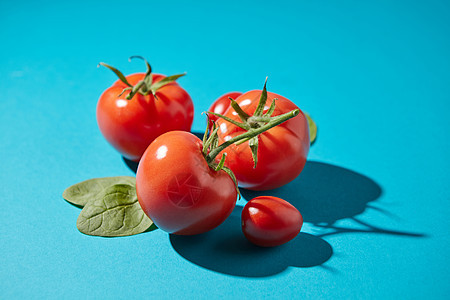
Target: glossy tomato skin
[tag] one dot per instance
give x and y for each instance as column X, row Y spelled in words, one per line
column 222, row 103
column 178, row 190
column 131, row 125
column 270, row 221
column 282, row 150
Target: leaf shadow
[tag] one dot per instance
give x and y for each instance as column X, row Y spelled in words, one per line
column 74, row 205
column 151, row 228
column 226, row 250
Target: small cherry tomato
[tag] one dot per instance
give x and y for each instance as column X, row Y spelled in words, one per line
column 270, row 221
column 177, row 188
column 131, row 124
column 221, row 105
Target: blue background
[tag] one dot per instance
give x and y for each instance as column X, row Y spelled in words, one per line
column 374, row 194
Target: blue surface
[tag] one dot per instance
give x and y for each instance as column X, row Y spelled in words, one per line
column 374, row 194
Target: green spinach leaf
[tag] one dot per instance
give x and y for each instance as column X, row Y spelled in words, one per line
column 115, row 212
column 80, row 193
column 312, row 129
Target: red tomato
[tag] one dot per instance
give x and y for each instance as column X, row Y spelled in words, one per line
column 131, row 125
column 270, row 221
column 178, row 190
column 282, row 150
column 222, row 104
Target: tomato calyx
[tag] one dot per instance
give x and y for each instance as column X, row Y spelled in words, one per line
column 145, row 86
column 211, row 148
column 211, row 142
column 254, row 125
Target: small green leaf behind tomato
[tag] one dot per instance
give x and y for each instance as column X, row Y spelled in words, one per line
column 110, row 207
column 312, row 128
column 79, row 194
column 116, row 212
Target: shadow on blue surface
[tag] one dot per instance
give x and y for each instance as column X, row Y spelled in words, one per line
column 225, row 250
column 325, row 193
column 132, row 165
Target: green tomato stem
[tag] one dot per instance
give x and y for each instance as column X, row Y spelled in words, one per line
column 136, row 88
column 262, row 101
column 146, row 85
column 209, row 140
column 271, row 109
column 254, row 120
column 117, row 72
column 244, row 126
column 149, row 68
column 237, row 108
column 221, row 163
column 251, row 133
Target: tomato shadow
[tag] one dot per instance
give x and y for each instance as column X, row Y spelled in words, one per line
column 132, row 165
column 198, row 134
column 226, row 250
column 325, row 193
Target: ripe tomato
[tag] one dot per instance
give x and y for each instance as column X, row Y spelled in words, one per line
column 270, row 221
column 282, row 150
column 177, row 188
column 131, row 125
column 221, row 105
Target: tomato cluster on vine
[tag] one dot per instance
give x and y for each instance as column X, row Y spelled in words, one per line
column 256, row 140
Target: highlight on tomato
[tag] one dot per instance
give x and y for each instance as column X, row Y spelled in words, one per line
column 138, row 108
column 220, row 105
column 181, row 185
column 275, row 157
column 270, row 221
